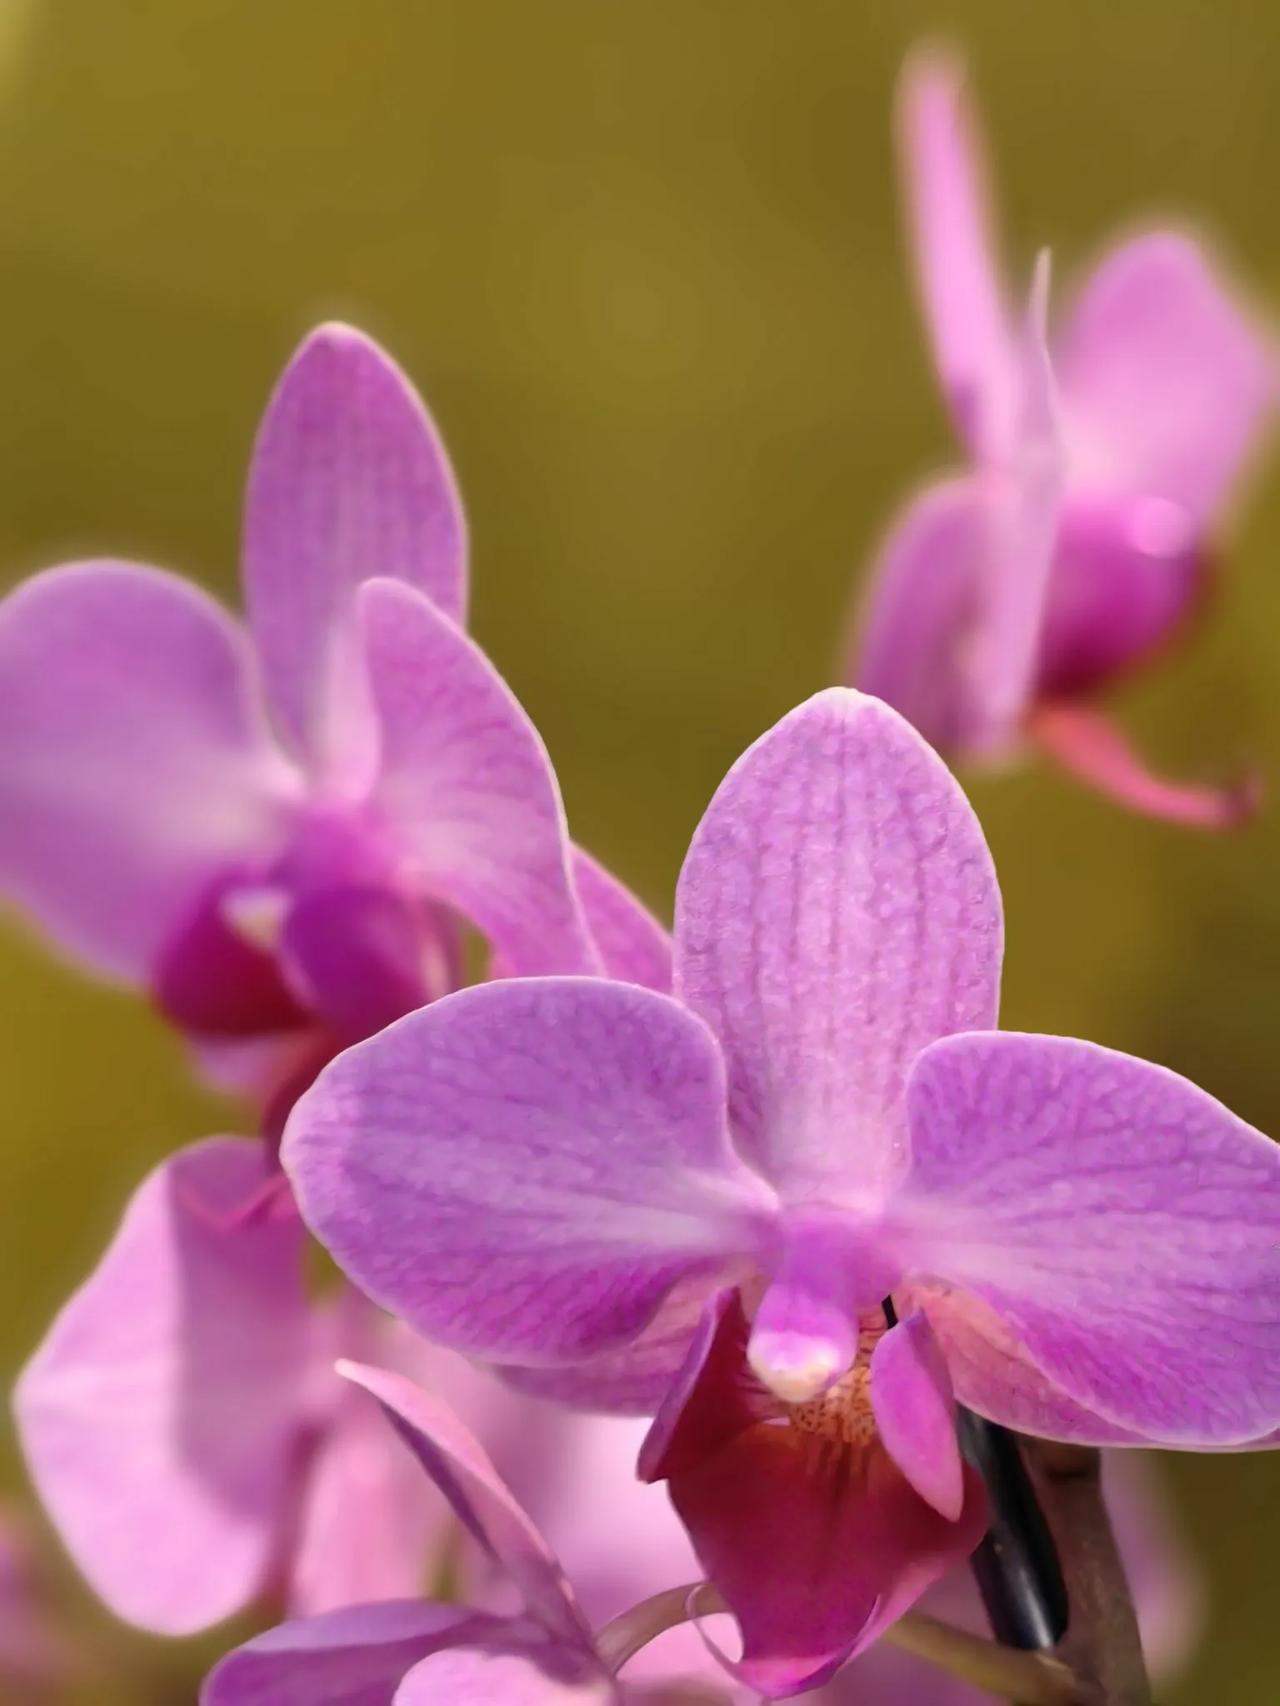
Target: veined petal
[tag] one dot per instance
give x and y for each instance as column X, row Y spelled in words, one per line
column 525, row 1169
column 161, row 1415
column 353, row 1657
column 1123, row 1224
column 456, row 1462
column 837, row 911
column 632, row 945
column 1166, row 380
column 135, row 767
column 954, row 251
column 467, row 789
column 349, row 480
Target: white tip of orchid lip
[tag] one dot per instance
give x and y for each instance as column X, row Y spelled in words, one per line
column 794, row 1369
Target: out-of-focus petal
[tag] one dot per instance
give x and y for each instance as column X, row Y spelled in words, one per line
column 353, row 1657
column 161, row 1415
column 1123, row 1223
column 837, row 911
column 813, row 1496
column 1168, row 1589
column 494, row 1675
column 914, row 1406
column 368, row 1522
column 349, row 480
column 1166, row 381
column 466, row 787
column 524, row 1169
column 915, row 640
column 482, row 1503
column 134, row 765
column 357, row 957
column 957, row 270
column 633, row 946
column 1086, row 742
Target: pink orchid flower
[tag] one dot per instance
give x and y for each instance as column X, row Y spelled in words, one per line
column 189, row 1439
column 699, row 1202
column 408, row 1653
column 277, row 832
column 1165, row 387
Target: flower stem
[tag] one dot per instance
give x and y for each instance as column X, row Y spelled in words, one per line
column 1016, row 1566
column 1102, row 1643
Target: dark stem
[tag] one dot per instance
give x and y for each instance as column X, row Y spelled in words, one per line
column 1016, row 1566
column 1102, row 1644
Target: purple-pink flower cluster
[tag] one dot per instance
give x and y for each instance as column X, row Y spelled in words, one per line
column 776, row 1187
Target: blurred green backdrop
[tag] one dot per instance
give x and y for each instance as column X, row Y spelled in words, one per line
column 642, row 256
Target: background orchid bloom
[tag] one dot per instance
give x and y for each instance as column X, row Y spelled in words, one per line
column 277, row 832
column 1165, row 389
column 406, row 1653
column 562, row 1173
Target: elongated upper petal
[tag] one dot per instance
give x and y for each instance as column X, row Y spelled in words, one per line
column 837, row 911
column 356, row 1656
column 1124, row 1225
column 349, row 479
column 160, row 1416
column 134, row 765
column 467, row 788
column 960, row 286
column 524, row 1169
column 1166, row 380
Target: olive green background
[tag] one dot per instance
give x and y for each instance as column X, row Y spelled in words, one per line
column 643, row 258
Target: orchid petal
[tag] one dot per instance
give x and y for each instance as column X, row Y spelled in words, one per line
column 925, row 598
column 482, row 1503
column 1123, row 1224
column 1166, row 382
column 495, row 1675
column 161, row 1415
column 349, row 480
column 1088, row 744
column 915, row 1413
column 837, row 911
column 633, row 946
column 369, row 1522
column 813, row 1497
column 523, row 1170
column 954, row 251
column 353, row 1657
column 466, row 787
column 134, row 764
column 357, row 957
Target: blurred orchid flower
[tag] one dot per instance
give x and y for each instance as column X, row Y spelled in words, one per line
column 408, row 1653
column 191, row 1442
column 1165, row 388
column 38, row 1654
column 285, row 887
column 722, row 1187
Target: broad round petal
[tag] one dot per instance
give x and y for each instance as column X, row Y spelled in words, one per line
column 353, row 1657
column 523, row 1170
column 466, row 787
column 957, row 267
column 837, row 911
column 349, row 480
column 1123, row 1224
column 1166, row 380
column 135, row 768
column 161, row 1416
